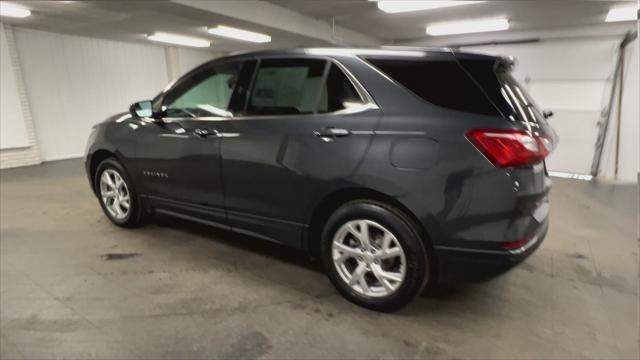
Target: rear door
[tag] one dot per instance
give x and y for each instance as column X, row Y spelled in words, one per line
column 304, row 130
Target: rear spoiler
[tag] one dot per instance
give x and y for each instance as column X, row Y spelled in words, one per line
column 502, row 62
column 506, row 63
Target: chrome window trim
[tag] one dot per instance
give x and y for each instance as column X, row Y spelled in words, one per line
column 368, row 102
column 354, row 110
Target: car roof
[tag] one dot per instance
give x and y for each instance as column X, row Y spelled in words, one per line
column 394, row 51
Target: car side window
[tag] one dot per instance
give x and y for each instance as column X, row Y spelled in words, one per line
column 286, row 86
column 206, row 93
column 440, row 82
column 298, row 86
column 339, row 93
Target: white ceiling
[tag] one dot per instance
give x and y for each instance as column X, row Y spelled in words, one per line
column 131, row 20
column 364, row 16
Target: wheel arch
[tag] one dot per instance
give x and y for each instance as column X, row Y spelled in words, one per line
column 96, row 158
column 332, row 201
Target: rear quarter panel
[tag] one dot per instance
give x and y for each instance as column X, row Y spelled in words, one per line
column 421, row 157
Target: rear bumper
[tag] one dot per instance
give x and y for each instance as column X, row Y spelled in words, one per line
column 456, row 264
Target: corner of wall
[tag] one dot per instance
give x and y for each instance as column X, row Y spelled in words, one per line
column 29, row 155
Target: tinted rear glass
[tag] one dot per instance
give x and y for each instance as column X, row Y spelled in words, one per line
column 511, row 98
column 440, row 82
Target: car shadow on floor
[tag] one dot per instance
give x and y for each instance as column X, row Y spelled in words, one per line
column 272, row 250
column 281, row 253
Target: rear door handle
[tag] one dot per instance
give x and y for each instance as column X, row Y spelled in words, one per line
column 206, row 132
column 329, row 133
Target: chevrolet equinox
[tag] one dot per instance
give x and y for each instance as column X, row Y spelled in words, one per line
column 397, row 168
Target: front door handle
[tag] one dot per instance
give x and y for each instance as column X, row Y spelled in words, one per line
column 206, row 132
column 329, row 133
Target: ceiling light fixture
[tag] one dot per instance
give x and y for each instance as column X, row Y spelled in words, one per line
column 178, row 40
column 467, row 26
column 239, row 34
column 400, row 6
column 629, row 13
column 10, row 10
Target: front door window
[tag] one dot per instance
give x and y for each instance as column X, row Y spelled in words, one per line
column 206, row 93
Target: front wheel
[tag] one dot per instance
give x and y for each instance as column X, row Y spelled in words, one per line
column 116, row 194
column 374, row 256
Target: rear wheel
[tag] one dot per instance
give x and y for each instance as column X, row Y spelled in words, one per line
column 116, row 194
column 374, row 256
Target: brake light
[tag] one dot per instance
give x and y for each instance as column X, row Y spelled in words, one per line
column 506, row 148
column 515, row 244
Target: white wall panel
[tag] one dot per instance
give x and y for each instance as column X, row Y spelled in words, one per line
column 13, row 132
column 585, row 94
column 74, row 82
column 189, row 59
column 22, row 156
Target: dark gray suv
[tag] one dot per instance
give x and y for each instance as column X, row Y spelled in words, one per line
column 397, row 168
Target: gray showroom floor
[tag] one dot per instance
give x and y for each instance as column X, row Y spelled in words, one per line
column 74, row 285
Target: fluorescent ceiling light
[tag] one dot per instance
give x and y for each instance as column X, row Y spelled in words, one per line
column 465, row 27
column 239, row 34
column 399, row 6
column 629, row 13
column 11, row 10
column 178, row 40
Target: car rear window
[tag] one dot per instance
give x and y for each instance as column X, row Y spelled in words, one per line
column 440, row 82
column 511, row 98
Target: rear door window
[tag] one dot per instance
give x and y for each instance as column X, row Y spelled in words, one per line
column 301, row 86
column 287, row 86
column 441, row 82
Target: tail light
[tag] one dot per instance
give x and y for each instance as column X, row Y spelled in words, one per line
column 515, row 244
column 506, row 148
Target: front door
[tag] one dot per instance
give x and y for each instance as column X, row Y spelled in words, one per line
column 178, row 157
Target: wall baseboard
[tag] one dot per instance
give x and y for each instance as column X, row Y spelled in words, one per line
column 63, row 157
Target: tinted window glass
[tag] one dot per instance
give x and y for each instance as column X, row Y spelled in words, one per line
column 338, row 93
column 440, row 82
column 286, row 86
column 241, row 93
column 204, row 93
column 509, row 96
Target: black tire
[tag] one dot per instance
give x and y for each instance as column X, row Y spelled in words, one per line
column 417, row 270
column 135, row 215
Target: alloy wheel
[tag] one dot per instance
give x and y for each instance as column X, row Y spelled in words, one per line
column 369, row 258
column 115, row 194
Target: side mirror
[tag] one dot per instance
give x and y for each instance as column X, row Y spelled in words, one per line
column 141, row 109
column 547, row 114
